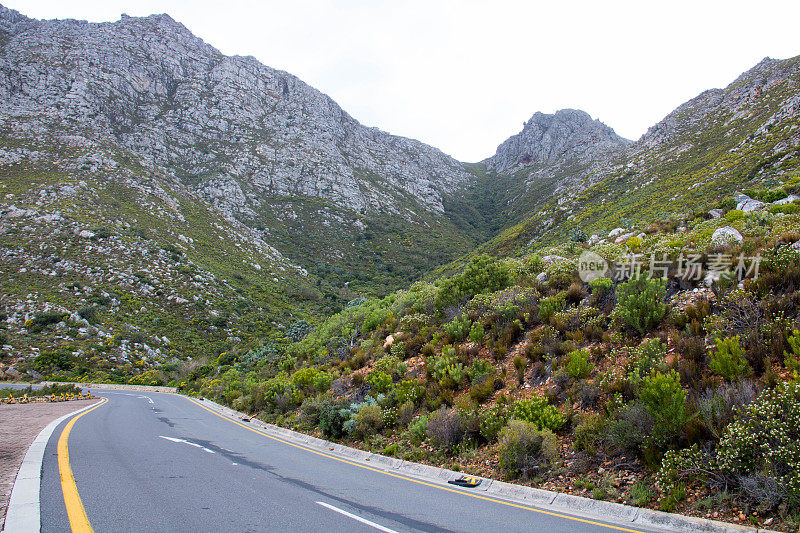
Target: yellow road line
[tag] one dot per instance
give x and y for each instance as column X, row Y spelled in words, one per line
column 470, row 494
column 78, row 520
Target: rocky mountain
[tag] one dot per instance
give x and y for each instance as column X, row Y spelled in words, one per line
column 548, row 139
column 258, row 143
column 160, row 200
column 724, row 140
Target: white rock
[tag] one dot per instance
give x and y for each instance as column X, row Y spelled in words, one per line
column 726, row 235
column 747, row 204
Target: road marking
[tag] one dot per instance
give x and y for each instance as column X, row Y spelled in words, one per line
column 173, row 439
column 470, row 494
column 148, row 398
column 78, row 521
column 358, row 518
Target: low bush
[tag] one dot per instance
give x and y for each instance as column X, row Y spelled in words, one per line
column 380, row 381
column 525, row 449
column 539, row 412
column 717, row 407
column 588, row 432
column 578, row 365
column 477, row 333
column 728, row 360
column 445, row 428
column 550, row 306
column 368, row 421
column 765, row 440
column 458, row 329
column 495, row 418
column 331, row 420
column 666, row 401
column 629, row 429
column 641, row 303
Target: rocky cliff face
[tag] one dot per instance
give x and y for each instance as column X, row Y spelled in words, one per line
column 234, row 128
column 549, row 139
column 257, row 143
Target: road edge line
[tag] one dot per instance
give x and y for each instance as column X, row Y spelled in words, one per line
column 24, row 512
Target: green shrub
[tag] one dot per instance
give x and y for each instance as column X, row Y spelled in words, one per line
column 299, row 330
column 524, row 449
column 368, row 420
column 477, row 333
column 588, row 433
column 539, row 412
column 41, row 320
column 792, row 360
column 628, row 429
column 458, row 329
column 446, row 370
column 483, row 274
column 479, row 369
column 641, row 303
column 647, row 357
column 408, row 391
column 387, row 364
column 495, row 418
column 550, row 306
column 733, row 215
column 728, row 359
column 765, row 440
column 680, row 465
column 666, row 401
column 418, row 430
column 331, row 420
column 405, row 413
column 578, row 365
column 641, row 494
column 88, row 313
column 322, row 381
column 398, row 350
column 304, row 378
column 380, row 381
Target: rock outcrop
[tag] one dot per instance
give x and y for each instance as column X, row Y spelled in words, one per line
column 549, row 139
column 234, row 128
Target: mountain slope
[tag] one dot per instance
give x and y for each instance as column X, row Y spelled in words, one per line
column 724, row 140
column 256, row 142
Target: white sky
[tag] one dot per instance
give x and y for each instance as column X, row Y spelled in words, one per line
column 464, row 75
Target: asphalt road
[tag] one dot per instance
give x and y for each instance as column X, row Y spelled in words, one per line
column 159, row 462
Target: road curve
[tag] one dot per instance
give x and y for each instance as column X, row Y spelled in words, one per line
column 162, row 462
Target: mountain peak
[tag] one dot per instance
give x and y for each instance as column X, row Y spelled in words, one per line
column 546, row 138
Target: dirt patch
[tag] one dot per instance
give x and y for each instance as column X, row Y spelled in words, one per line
column 21, row 423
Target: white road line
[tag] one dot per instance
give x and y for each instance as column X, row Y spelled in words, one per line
column 357, row 518
column 187, row 442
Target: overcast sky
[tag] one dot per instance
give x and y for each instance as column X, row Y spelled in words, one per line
column 464, row 75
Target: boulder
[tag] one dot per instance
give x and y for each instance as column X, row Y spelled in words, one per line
column 726, row 235
column 747, row 204
column 789, row 199
column 552, row 259
column 715, row 213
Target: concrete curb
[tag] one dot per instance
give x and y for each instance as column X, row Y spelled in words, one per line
column 114, row 386
column 23, row 514
column 541, row 499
